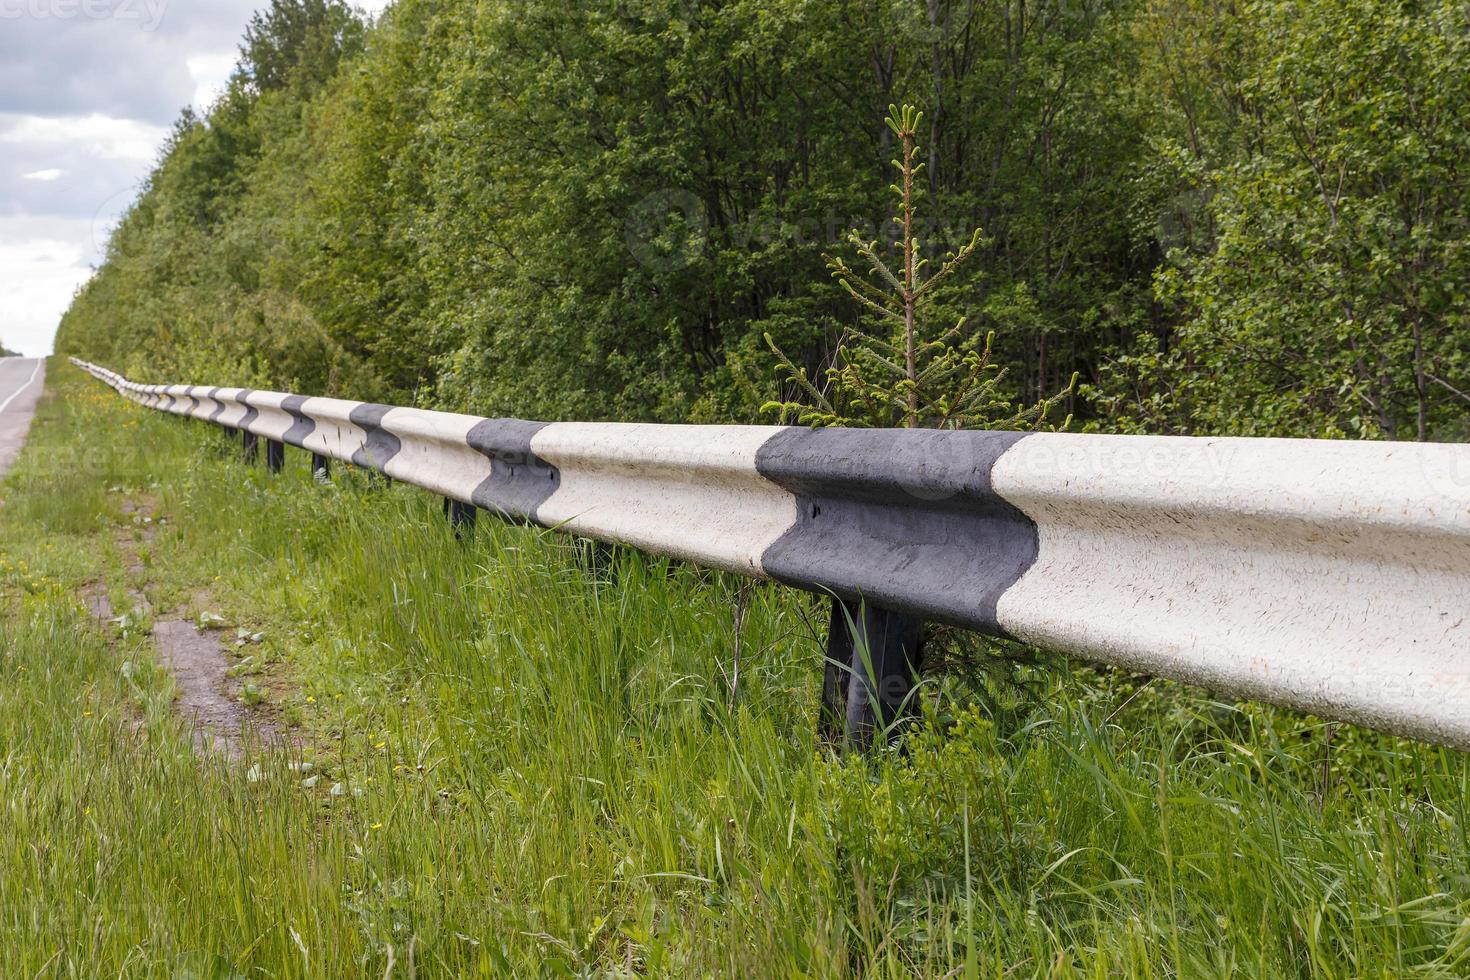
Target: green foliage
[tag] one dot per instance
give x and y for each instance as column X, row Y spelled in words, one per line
column 298, row 42
column 1329, row 298
column 598, row 210
column 900, row 372
column 1229, row 218
column 7, row 352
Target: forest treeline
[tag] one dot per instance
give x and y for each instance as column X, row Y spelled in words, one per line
column 1229, row 216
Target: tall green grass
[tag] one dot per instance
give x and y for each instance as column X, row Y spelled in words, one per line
column 511, row 763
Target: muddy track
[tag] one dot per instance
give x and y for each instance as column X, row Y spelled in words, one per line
column 208, row 697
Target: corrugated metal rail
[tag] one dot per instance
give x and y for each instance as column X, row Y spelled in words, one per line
column 1327, row 576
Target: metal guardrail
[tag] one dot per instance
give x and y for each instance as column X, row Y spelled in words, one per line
column 1328, row 576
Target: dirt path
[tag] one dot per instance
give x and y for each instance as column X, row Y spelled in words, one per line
column 208, row 696
column 200, row 669
column 21, row 380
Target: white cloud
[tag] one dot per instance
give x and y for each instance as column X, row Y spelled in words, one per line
column 210, row 72
column 105, row 136
column 39, row 274
column 90, row 100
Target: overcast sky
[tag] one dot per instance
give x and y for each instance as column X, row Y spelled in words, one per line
column 88, row 91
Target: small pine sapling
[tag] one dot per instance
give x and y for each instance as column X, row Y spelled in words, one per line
column 898, row 373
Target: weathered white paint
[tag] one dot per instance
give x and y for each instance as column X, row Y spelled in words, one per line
column 335, row 435
column 434, row 454
column 235, row 410
column 1330, row 576
column 689, row 491
column 271, row 420
column 181, row 404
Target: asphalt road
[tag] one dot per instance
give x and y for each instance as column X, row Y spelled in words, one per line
column 20, row 389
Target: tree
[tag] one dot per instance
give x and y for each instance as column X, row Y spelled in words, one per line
column 592, row 209
column 299, row 42
column 1333, row 301
column 902, row 370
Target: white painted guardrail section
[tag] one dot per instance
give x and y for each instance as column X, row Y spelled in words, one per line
column 1332, row 577
column 692, row 492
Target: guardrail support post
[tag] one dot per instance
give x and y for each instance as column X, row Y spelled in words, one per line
column 251, row 443
column 321, row 466
column 275, row 455
column 599, row 558
column 873, row 661
column 461, row 516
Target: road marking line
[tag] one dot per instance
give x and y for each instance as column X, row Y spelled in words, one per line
column 29, row 381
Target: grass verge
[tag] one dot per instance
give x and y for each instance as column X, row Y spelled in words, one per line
column 506, row 764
